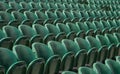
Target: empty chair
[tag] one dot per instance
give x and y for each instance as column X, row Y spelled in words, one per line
column 86, row 70
column 105, row 24
column 31, row 18
column 15, row 34
column 9, row 61
column 15, row 6
column 68, row 72
column 62, row 17
column 91, row 52
column 4, row 6
column 29, row 32
column 67, row 57
column 35, row 6
column 18, row 18
column 63, row 28
column 101, row 68
column 5, row 18
column 43, row 32
column 73, row 27
column 52, row 64
column 52, row 6
column 54, row 19
column 43, row 17
column 102, row 50
column 113, row 66
column 105, row 42
column 44, row 6
column 82, row 26
column 25, row 6
column 113, row 41
column 34, row 65
column 80, row 54
column 53, row 29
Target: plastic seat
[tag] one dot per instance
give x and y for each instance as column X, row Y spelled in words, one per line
column 42, row 17
column 60, row 6
column 113, row 66
column 18, row 18
column 29, row 32
column 44, row 6
column 105, row 42
column 101, row 68
column 13, row 66
column 105, row 24
column 67, row 6
column 91, row 52
column 35, row 5
column 76, row 15
column 90, row 25
column 52, row 16
column 31, row 18
column 86, row 70
column 5, row 18
column 111, row 38
column 67, row 57
column 4, row 6
column 102, row 50
column 52, row 64
column 16, row 35
column 15, row 6
column 43, row 32
column 63, row 28
column 68, row 72
column 62, row 17
column 52, row 6
column 98, row 25
column 82, row 26
column 25, row 5
column 73, row 27
column 53, row 29
column 80, row 54
column 24, row 53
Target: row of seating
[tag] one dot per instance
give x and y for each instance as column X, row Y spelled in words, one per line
column 103, row 2
column 66, row 55
column 43, row 1
column 40, row 6
column 110, row 67
column 16, row 18
column 91, row 28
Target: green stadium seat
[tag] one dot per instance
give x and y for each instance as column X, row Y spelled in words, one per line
column 24, row 53
column 101, row 68
column 43, row 32
column 63, row 28
column 13, row 66
column 91, row 52
column 113, row 66
column 53, row 29
column 16, row 35
column 67, row 57
column 29, row 32
column 80, row 54
column 53, row 61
